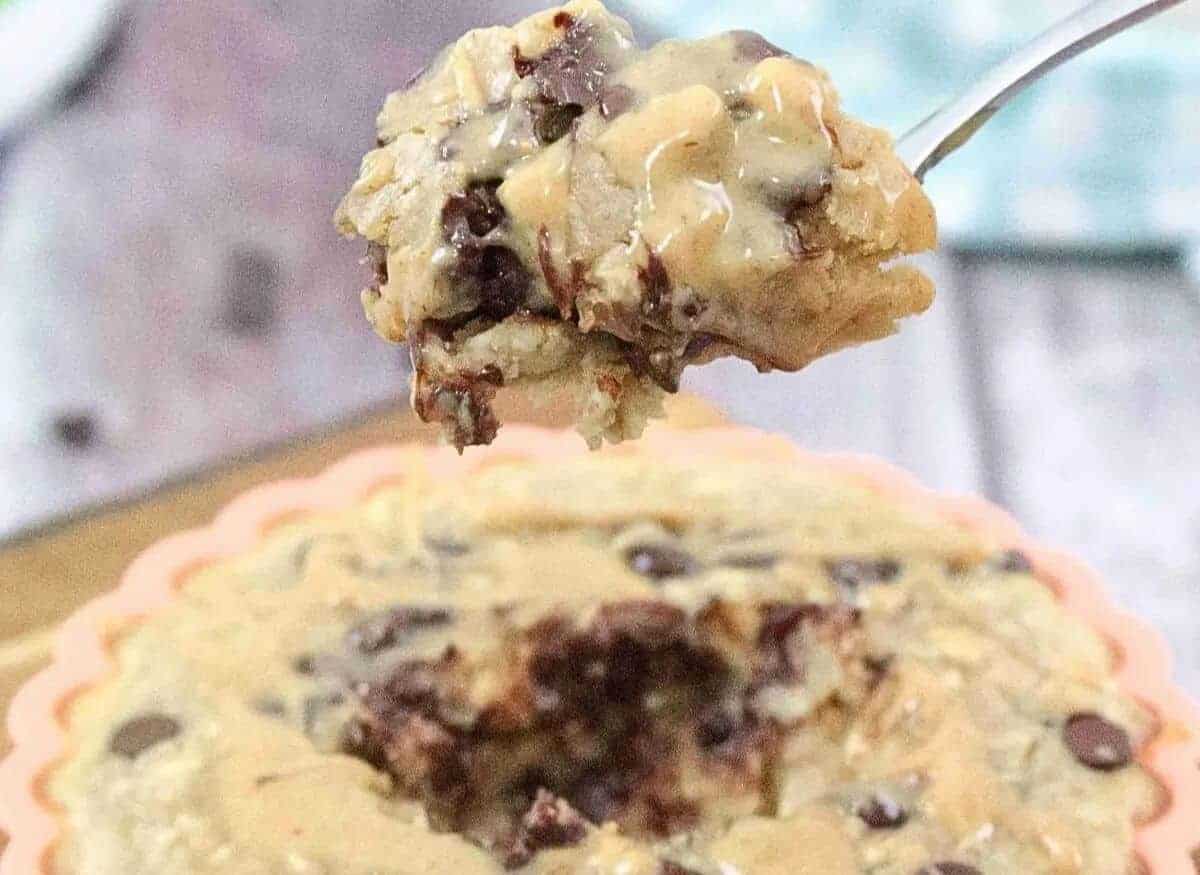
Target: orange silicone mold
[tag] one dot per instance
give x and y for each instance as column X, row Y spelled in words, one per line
column 81, row 657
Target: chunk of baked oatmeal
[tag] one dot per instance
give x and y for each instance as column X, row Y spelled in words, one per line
column 552, row 207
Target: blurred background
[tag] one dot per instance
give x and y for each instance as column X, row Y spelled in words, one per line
column 173, row 294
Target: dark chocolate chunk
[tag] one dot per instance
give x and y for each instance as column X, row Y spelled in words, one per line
column 75, row 429
column 616, row 100
column 659, row 365
column 572, row 71
column 660, row 561
column 463, row 404
column 501, row 280
column 138, row 735
column 549, row 823
column 715, row 727
column 553, row 121
column 666, row 867
column 563, row 19
column 472, row 214
column 1097, row 743
column 387, row 630
column 305, row 664
column 851, row 574
column 753, row 47
column 1013, row 562
column 948, row 867
column 881, row 812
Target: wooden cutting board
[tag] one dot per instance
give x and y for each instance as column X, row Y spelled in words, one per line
column 48, row 573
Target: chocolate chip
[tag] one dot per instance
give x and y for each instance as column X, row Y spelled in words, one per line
column 615, row 100
column 1013, row 562
column 553, row 121
column 463, row 403
column 660, row 561
column 305, row 664
column 549, row 823
column 138, row 735
column 472, row 214
column 881, row 812
column 948, row 867
column 76, row 429
column 500, row 278
column 753, row 47
column 388, row 630
column 715, row 727
column 572, row 71
column 851, row 574
column 563, row 19
column 1097, row 743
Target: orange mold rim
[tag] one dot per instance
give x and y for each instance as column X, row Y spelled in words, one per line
column 82, row 658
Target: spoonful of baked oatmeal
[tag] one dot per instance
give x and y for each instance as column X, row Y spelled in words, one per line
column 552, row 208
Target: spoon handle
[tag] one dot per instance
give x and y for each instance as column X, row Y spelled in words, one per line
column 923, row 147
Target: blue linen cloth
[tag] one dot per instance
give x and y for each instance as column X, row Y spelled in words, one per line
column 1105, row 152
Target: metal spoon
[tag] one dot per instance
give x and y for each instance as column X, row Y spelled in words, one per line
column 928, row 143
